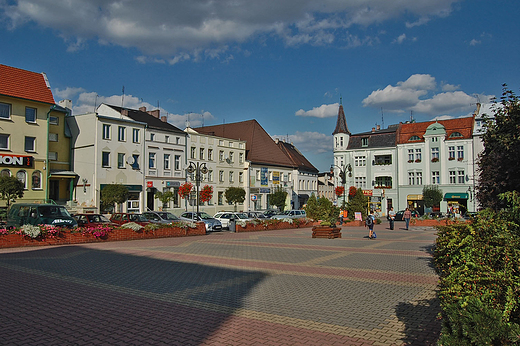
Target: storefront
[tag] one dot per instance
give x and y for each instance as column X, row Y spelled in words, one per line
column 457, row 203
column 415, row 202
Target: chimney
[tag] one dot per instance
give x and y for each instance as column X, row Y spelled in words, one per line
column 276, row 140
column 142, row 109
column 164, row 118
column 478, row 108
column 124, row 112
column 156, row 113
column 378, row 127
column 373, row 129
column 65, row 104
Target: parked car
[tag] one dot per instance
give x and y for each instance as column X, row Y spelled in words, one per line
column 212, row 224
column 256, row 215
column 93, row 220
column 290, row 214
column 399, row 215
column 39, row 214
column 160, row 217
column 225, row 216
column 270, row 213
column 122, row 218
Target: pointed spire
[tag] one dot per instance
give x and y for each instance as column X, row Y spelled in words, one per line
column 341, row 124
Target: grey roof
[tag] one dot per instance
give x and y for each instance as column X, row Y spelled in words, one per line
column 341, row 123
column 150, row 120
column 377, row 139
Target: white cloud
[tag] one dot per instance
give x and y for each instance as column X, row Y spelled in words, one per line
column 310, row 142
column 474, row 42
column 323, row 111
column 419, row 94
column 169, row 28
column 400, row 39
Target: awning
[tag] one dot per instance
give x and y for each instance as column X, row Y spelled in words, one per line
column 63, row 174
column 131, row 188
column 303, row 196
column 414, row 197
column 461, row 195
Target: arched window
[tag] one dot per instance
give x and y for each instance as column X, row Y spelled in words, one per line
column 456, row 134
column 37, row 180
column 414, row 138
column 22, row 176
column 5, row 173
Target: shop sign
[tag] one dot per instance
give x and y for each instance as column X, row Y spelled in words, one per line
column 16, row 160
column 173, row 184
column 253, row 198
column 276, row 177
column 368, row 192
column 149, row 184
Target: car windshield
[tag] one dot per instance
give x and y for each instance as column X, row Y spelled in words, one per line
column 287, row 212
column 204, row 216
column 168, row 216
column 152, row 216
column 54, row 211
column 137, row 217
column 242, row 215
column 97, row 218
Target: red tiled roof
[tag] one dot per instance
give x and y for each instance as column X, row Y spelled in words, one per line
column 462, row 125
column 260, row 147
column 24, row 84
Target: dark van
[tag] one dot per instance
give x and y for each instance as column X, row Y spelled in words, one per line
column 39, row 214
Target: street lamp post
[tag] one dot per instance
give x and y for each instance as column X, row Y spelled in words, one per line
column 199, row 169
column 343, row 170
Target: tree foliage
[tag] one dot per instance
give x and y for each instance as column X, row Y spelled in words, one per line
column 235, row 195
column 10, row 189
column 321, row 209
column 357, row 203
column 499, row 164
column 432, row 196
column 112, row 194
column 165, row 196
column 311, row 209
column 278, row 197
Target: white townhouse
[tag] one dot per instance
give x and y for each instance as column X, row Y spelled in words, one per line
column 225, row 160
column 164, row 160
column 107, row 148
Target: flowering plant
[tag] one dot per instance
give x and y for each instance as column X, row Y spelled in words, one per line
column 97, row 231
column 435, row 159
column 30, row 231
column 49, row 230
column 133, row 226
column 206, row 193
column 339, row 190
column 352, row 191
column 185, row 190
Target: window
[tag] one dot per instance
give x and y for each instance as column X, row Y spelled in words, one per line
column 381, row 160
column 231, row 177
column 461, row 177
column 411, row 178
column 435, row 154
column 30, row 114
column 220, row 198
column 418, row 178
column 241, row 177
column 121, row 133
column 166, row 161
column 258, row 175
column 54, row 120
column 410, row 156
column 30, row 144
column 418, row 155
column 201, row 154
column 364, row 142
column 105, row 159
column 177, row 162
column 53, row 137
column 21, row 175
column 451, row 153
column 106, row 131
column 4, row 142
column 460, row 152
column 210, row 175
column 241, row 158
column 135, row 165
column 436, row 179
column 361, row 182
column 360, row 161
column 210, row 154
column 221, row 155
column 435, row 139
column 414, row 138
column 5, row 111
column 336, row 141
column 231, row 156
column 166, row 139
column 177, row 140
column 152, row 137
column 5, row 173
column 192, row 152
column 384, row 182
column 456, row 134
column 53, row 156
column 36, row 180
column 120, row 160
column 221, row 176
column 453, row 178
column 340, row 141
column 151, row 160
column 135, row 135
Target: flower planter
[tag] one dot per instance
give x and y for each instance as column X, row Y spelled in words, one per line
column 329, row 232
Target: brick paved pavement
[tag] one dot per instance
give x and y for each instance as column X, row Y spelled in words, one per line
column 262, row 288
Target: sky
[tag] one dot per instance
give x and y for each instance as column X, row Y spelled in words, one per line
column 286, row 63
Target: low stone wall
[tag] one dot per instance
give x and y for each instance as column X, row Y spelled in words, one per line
column 66, row 237
column 249, row 227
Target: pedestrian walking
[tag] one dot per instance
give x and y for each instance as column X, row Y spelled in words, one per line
column 407, row 216
column 369, row 222
column 391, row 218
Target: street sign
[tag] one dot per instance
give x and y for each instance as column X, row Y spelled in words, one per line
column 253, row 197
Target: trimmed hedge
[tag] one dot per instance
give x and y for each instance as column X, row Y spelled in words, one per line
column 479, row 268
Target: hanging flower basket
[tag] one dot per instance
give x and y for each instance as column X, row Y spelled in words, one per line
column 185, row 190
column 339, row 191
column 206, row 193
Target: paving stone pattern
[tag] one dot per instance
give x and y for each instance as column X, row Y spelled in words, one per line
column 261, row 288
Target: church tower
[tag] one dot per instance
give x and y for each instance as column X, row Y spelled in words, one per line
column 341, row 133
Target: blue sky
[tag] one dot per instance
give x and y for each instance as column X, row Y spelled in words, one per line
column 285, row 63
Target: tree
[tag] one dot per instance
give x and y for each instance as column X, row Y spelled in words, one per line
column 112, row 194
column 165, row 197
column 10, row 189
column 235, row 195
column 432, row 196
column 278, row 197
column 311, row 209
column 499, row 164
column 357, row 203
column 327, row 211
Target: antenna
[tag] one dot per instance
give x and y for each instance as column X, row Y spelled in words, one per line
column 202, row 116
column 340, row 99
column 95, row 103
column 123, row 97
column 382, row 119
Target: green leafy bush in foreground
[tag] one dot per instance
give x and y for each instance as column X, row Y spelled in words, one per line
column 479, row 268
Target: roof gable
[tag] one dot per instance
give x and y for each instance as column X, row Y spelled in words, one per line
column 462, row 126
column 25, row 84
column 297, row 158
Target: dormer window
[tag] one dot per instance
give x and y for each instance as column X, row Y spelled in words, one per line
column 414, row 138
column 455, row 135
column 364, row 142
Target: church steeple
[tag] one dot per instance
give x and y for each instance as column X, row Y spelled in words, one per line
column 341, row 124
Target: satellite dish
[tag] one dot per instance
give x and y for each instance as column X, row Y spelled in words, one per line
column 228, row 160
column 130, row 160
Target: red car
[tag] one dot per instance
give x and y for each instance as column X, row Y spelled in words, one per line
column 122, row 218
column 93, row 220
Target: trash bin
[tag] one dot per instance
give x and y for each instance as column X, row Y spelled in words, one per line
column 232, row 225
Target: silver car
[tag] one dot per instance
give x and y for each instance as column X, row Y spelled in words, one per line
column 290, row 214
column 225, row 216
column 212, row 224
column 160, row 217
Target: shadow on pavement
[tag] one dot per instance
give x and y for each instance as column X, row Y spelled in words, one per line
column 72, row 295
